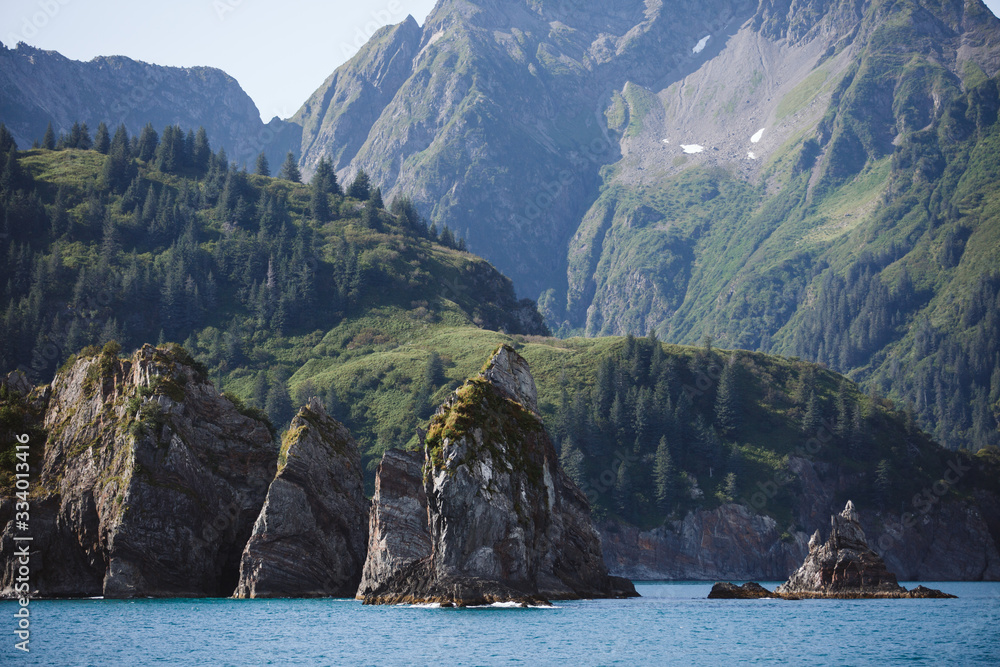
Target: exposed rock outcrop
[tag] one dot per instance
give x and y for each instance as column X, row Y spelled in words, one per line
column 845, row 566
column 505, row 522
column 312, row 533
column 150, row 482
column 748, row 591
column 399, row 535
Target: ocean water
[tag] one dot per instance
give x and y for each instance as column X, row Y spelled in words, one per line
column 672, row 623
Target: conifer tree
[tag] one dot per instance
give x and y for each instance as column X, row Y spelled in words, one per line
column 728, row 413
column 813, row 418
column 663, row 474
column 201, row 152
column 85, row 142
column 360, row 187
column 49, row 140
column 148, row 142
column 102, row 142
column 376, row 198
column 262, row 168
column 290, row 169
column 119, row 168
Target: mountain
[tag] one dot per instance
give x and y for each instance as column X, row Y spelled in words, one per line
column 807, row 178
column 40, row 87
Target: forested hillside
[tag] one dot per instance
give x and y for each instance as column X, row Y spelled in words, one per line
column 157, row 238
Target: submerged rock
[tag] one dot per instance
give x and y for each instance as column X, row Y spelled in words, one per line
column 149, row 484
column 504, row 522
column 846, row 567
column 310, row 537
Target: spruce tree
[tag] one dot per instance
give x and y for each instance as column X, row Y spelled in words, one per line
column 728, row 413
column 148, row 141
column 376, row 198
column 360, row 187
column 663, row 474
column 319, row 203
column 49, row 140
column 290, row 169
column 102, row 142
column 85, row 142
column 813, row 418
column 262, row 168
column 201, row 152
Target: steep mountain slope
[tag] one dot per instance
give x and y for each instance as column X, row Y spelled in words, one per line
column 809, row 178
column 40, row 87
column 842, row 209
column 490, row 115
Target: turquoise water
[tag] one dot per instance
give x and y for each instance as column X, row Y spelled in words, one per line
column 672, row 623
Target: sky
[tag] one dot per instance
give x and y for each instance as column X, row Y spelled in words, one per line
column 279, row 51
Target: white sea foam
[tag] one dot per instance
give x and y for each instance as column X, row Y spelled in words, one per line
column 692, row 148
column 757, row 136
column 700, row 46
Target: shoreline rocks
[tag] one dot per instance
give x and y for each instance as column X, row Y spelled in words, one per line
column 843, row 567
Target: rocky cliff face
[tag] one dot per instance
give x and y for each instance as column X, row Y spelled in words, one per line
column 311, row 536
column 504, row 521
column 38, row 87
column 731, row 542
column 399, row 533
column 150, row 481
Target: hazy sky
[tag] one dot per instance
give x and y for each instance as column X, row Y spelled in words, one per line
column 280, row 52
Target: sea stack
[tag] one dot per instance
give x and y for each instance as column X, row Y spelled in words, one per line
column 312, row 532
column 149, row 484
column 498, row 519
column 846, row 567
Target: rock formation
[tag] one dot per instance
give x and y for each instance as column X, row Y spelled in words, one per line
column 312, row 533
column 503, row 519
column 149, row 484
column 748, row 591
column 399, row 535
column 845, row 567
